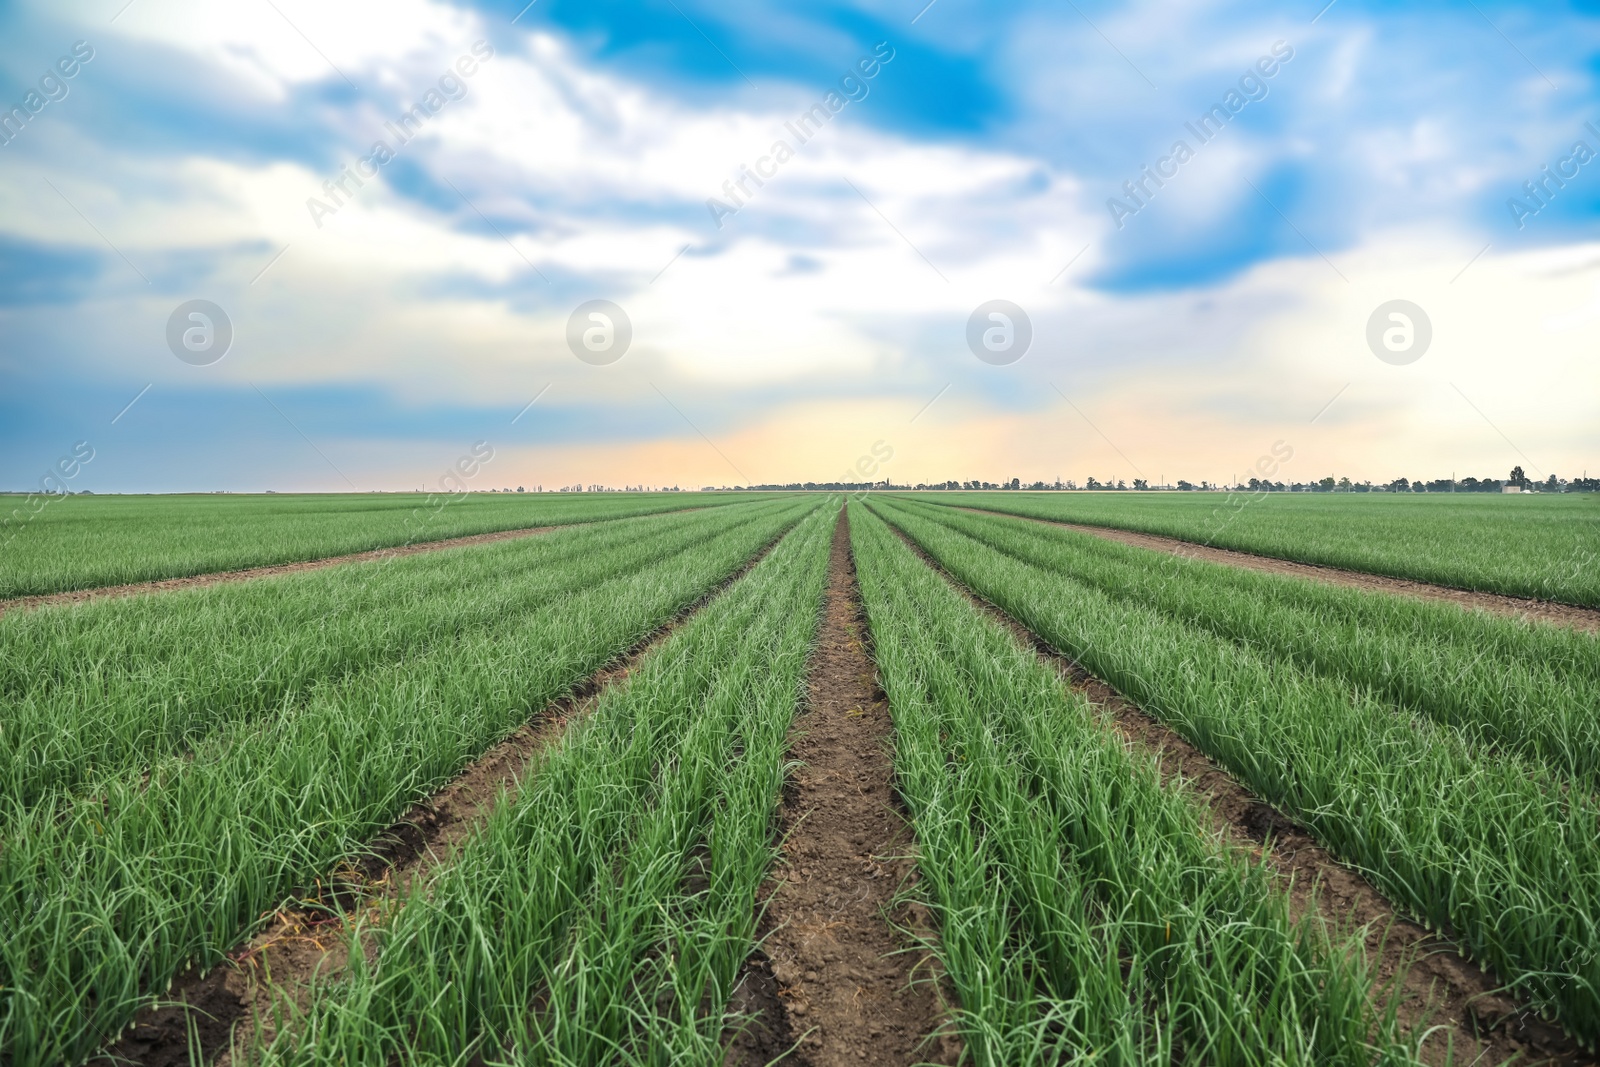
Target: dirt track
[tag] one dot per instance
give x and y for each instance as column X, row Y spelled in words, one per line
column 836, row 976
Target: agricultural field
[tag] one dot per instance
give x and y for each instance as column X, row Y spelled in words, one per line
column 1084, row 908
column 1526, row 545
column 157, row 804
column 795, row 779
column 53, row 544
column 1464, row 801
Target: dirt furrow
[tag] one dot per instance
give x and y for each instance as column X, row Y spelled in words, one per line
column 1471, row 1017
column 306, row 940
column 1587, row 619
column 837, row 980
column 76, row 596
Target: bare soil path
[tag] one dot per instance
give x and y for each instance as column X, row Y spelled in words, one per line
column 836, row 976
column 1439, row 987
column 77, row 596
column 1587, row 619
column 306, row 940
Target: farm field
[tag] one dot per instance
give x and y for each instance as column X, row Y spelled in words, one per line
column 81, row 542
column 1455, row 825
column 134, row 851
column 1541, row 546
column 179, row 769
column 1084, row 910
column 604, row 916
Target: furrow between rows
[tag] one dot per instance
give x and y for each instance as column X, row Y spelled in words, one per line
column 841, row 969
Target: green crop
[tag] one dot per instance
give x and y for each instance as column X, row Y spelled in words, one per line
column 52, row 544
column 98, row 688
column 1488, row 848
column 1087, row 913
column 1545, row 546
column 106, row 894
column 1506, row 685
column 602, row 917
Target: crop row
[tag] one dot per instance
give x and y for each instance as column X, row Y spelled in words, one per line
column 1086, row 911
column 106, row 894
column 51, row 544
column 1546, row 547
column 1504, row 684
column 1487, row 846
column 602, row 917
column 105, row 686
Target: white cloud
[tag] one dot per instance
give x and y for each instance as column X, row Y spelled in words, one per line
column 599, row 182
column 273, row 46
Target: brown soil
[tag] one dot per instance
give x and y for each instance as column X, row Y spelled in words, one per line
column 76, row 596
column 840, row 975
column 1439, row 987
column 1518, row 607
column 306, row 940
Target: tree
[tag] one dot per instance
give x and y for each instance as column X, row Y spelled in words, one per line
column 1518, row 478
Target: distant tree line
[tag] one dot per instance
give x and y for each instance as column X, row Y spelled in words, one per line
column 1329, row 484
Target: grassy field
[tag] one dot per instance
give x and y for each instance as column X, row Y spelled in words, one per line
column 1501, row 684
column 1543, row 546
column 176, row 767
column 134, row 849
column 114, row 683
column 1086, row 912
column 1501, row 849
column 81, row 542
column 603, row 917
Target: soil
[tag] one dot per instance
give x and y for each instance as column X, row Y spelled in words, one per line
column 1439, row 987
column 1518, row 607
column 843, row 978
column 307, row 939
column 77, row 596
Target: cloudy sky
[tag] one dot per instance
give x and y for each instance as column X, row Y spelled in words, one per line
column 800, row 209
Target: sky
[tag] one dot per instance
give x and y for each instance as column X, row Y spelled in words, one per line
column 279, row 244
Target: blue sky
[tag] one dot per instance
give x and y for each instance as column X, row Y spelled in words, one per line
column 377, row 340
